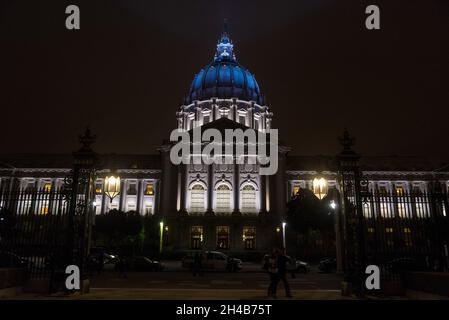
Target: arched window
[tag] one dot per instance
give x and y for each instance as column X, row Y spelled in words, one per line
column 223, row 199
column 197, row 196
column 249, row 199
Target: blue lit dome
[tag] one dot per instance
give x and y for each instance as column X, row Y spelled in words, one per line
column 225, row 78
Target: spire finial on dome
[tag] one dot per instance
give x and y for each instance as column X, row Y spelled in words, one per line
column 225, row 48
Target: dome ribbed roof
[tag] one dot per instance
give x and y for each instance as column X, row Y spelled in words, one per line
column 224, row 78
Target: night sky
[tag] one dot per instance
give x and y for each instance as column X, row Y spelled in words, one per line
column 128, row 68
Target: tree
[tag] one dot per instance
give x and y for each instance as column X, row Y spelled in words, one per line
column 311, row 218
column 119, row 228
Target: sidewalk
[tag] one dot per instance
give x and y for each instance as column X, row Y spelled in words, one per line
column 176, row 266
column 188, row 294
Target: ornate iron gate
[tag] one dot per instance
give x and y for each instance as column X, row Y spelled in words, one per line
column 396, row 229
column 47, row 229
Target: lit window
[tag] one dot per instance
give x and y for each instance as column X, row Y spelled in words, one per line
column 196, row 237
column 407, row 237
column 389, row 237
column 149, row 190
column 249, row 199
column 296, row 190
column 223, row 199
column 249, row 238
column 223, row 237
column 366, row 209
column 44, row 210
column 384, row 209
column 400, row 191
column 148, row 209
column 197, row 197
column 98, row 189
column 47, row 187
column 383, row 191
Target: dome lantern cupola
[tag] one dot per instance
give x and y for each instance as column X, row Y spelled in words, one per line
column 224, row 77
column 224, row 88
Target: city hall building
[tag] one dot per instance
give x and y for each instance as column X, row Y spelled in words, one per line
column 229, row 207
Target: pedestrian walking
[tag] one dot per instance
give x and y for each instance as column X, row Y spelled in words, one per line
column 121, row 267
column 197, row 265
column 282, row 261
column 270, row 265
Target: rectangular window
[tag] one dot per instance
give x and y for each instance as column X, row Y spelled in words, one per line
column 295, row 190
column 29, row 186
column 407, row 237
column 248, row 199
column 389, row 237
column 384, row 212
column 132, row 189
column 222, row 237
column 400, row 191
column 206, row 119
column 149, row 190
column 383, row 191
column 47, row 187
column 242, row 119
column 366, row 210
column 249, row 238
column 223, row 199
column 197, row 197
column 196, row 237
column 148, row 210
column 98, row 188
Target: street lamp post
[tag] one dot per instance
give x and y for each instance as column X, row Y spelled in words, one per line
column 283, row 235
column 161, row 227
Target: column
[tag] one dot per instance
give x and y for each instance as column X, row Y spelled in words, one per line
column 198, row 116
column 236, row 188
column 167, row 189
column 182, row 189
column 156, row 196
column 122, row 194
column 139, row 196
column 263, row 202
column 103, row 198
column 210, row 189
column 250, row 115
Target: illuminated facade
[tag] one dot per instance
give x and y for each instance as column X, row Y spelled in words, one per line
column 227, row 207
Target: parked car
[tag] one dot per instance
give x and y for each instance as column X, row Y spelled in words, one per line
column 328, row 265
column 301, row 266
column 144, row 264
column 213, row 260
column 96, row 253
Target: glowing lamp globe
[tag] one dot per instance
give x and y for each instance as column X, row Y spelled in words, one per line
column 320, row 187
column 112, row 186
